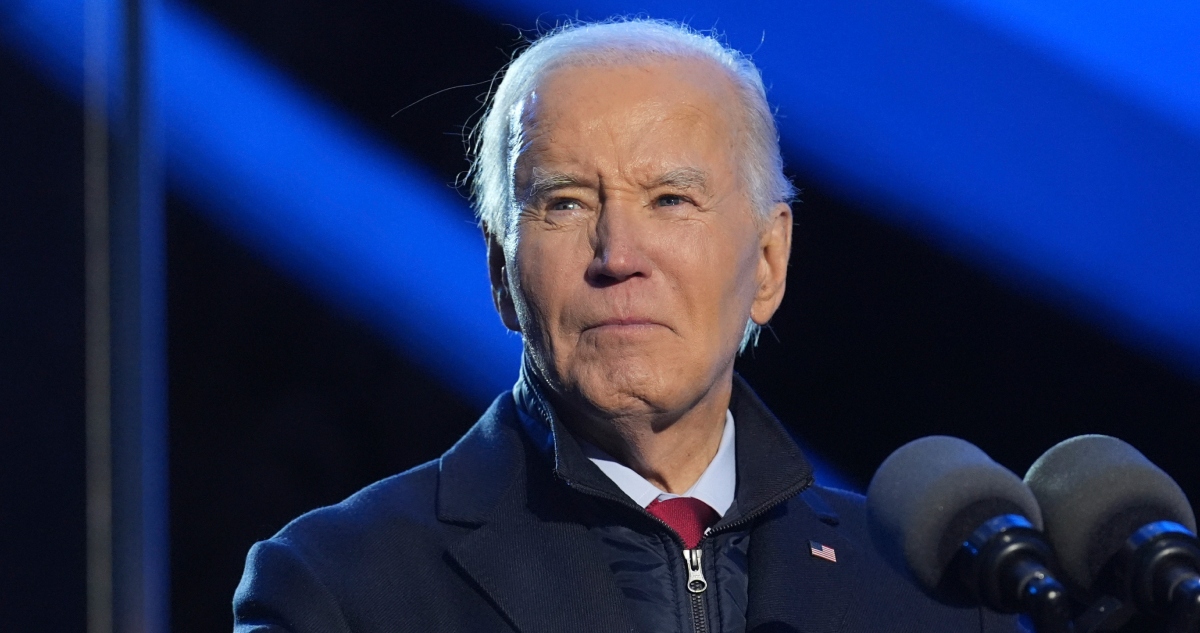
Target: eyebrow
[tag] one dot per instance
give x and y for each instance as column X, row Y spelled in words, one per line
column 545, row 182
column 682, row 178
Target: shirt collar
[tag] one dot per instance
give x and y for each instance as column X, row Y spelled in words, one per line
column 770, row 466
column 715, row 487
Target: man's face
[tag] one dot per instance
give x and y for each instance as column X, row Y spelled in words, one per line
column 636, row 258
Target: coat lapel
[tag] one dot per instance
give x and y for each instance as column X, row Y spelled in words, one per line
column 544, row 577
column 791, row 590
column 530, row 555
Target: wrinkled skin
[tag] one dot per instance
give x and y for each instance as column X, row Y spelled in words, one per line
column 636, row 259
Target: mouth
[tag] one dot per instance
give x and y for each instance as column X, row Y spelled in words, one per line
column 625, row 324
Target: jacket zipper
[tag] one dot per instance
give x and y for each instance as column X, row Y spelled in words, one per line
column 693, row 558
column 696, row 584
column 764, row 508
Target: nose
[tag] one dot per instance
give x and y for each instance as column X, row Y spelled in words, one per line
column 618, row 246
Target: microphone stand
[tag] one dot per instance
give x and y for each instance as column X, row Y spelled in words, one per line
column 1163, row 563
column 1006, row 564
column 1158, row 573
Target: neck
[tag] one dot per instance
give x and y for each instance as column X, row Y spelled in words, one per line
column 669, row 449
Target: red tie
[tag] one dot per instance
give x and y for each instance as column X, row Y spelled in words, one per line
column 687, row 516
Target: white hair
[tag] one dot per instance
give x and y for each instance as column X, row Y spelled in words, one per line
column 615, row 42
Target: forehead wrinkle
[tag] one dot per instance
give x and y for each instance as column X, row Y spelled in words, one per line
column 546, row 112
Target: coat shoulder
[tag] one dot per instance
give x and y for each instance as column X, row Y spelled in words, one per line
column 406, row 500
column 326, row 570
column 850, row 507
column 392, row 514
column 843, row 501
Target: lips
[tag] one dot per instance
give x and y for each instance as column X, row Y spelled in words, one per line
column 624, row 324
column 626, row 321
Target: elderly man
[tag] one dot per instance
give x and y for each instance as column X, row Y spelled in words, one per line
column 629, row 183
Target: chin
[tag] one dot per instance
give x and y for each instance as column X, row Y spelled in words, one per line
column 634, row 385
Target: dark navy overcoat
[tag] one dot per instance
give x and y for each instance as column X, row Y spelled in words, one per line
column 490, row 538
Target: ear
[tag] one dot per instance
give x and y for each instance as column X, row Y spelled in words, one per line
column 775, row 248
column 498, row 274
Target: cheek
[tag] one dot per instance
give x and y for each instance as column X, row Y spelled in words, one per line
column 546, row 267
column 715, row 271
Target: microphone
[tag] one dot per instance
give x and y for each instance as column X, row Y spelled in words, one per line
column 967, row 529
column 1121, row 527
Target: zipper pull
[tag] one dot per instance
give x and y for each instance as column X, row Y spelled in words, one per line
column 695, row 582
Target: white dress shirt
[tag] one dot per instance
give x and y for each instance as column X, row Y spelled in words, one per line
column 715, row 487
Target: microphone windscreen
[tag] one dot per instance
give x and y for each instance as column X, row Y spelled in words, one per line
column 1095, row 491
column 931, row 494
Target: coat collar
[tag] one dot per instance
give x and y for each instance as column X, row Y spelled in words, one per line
column 530, row 552
column 519, row 428
column 770, row 465
column 475, row 474
column 571, row 465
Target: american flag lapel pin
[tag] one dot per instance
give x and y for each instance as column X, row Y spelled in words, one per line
column 820, row 550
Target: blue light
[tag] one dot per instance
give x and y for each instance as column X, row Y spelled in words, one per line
column 1013, row 132
column 356, row 221
column 1148, row 51
column 1009, row 132
column 354, row 218
column 359, row 223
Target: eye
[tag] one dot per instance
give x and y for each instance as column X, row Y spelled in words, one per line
column 565, row 204
column 670, row 200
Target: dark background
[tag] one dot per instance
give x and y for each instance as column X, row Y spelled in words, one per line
column 280, row 403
